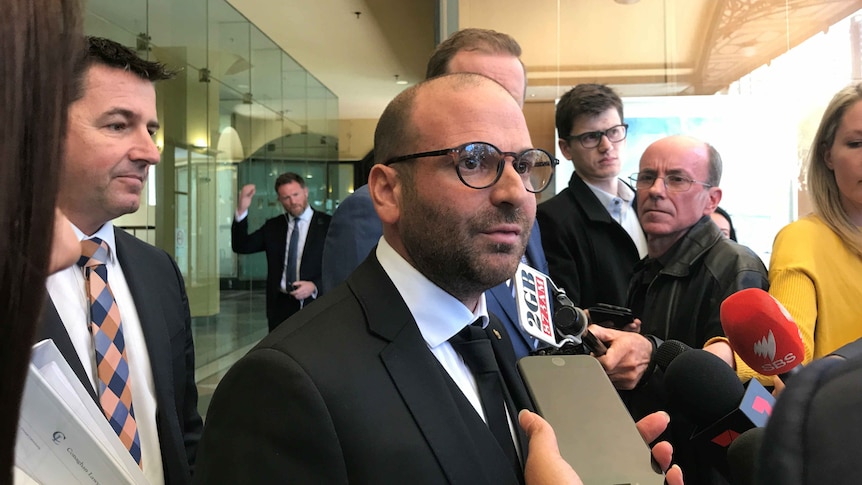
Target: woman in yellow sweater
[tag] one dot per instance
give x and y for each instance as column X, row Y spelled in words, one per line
column 816, row 263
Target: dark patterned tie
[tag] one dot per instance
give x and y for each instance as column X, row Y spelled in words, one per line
column 473, row 345
column 290, row 264
column 115, row 392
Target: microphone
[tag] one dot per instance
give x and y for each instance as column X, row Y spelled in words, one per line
column 762, row 332
column 668, row 351
column 533, row 291
column 704, row 389
column 743, row 455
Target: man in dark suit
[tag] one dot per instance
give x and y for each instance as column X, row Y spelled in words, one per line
column 370, row 385
column 355, row 225
column 590, row 230
column 109, row 149
column 289, row 286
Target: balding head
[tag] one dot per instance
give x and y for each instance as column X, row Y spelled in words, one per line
column 668, row 209
column 465, row 240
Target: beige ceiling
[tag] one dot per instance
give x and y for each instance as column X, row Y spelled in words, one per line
column 651, row 47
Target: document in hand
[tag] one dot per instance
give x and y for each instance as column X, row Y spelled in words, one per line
column 63, row 437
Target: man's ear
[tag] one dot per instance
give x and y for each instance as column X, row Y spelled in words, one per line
column 714, row 199
column 564, row 148
column 384, row 186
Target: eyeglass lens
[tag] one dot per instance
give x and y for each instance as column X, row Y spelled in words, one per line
column 673, row 183
column 480, row 165
column 592, row 139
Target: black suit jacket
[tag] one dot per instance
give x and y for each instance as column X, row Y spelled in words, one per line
column 589, row 254
column 347, row 391
column 272, row 238
column 157, row 288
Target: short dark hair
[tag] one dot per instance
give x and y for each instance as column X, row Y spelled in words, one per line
column 482, row 40
column 585, row 100
column 723, row 213
column 107, row 52
column 288, row 177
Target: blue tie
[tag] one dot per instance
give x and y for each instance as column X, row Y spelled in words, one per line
column 291, row 255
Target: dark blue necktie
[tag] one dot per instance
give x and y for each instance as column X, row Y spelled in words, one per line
column 290, row 264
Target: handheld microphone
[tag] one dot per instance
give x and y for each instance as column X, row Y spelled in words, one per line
column 668, row 351
column 762, row 332
column 704, row 389
column 743, row 455
column 533, row 292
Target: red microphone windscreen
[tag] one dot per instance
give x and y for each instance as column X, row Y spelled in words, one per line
column 761, row 331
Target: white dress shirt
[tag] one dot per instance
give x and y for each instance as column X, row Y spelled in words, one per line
column 621, row 209
column 69, row 295
column 303, row 221
column 439, row 316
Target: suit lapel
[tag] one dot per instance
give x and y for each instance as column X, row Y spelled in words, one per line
column 465, row 455
column 53, row 328
column 142, row 280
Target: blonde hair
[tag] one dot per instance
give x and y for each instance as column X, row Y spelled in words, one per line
column 822, row 186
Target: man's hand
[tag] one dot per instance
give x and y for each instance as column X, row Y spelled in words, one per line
column 650, row 427
column 627, row 358
column 544, row 463
column 303, row 289
column 546, row 466
column 245, row 196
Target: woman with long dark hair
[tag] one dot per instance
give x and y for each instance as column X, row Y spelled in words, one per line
column 40, row 40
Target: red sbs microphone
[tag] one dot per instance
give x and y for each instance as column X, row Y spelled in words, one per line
column 761, row 332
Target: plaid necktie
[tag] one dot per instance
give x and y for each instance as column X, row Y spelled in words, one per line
column 115, row 392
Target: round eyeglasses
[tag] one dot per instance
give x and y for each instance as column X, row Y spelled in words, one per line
column 591, row 139
column 673, row 183
column 479, row 165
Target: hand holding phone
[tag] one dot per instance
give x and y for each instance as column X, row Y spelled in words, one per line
column 610, row 316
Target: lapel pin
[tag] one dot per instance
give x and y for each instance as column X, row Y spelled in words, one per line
column 497, row 334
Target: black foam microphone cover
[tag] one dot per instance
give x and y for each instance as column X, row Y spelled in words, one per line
column 702, row 387
column 668, row 351
column 743, row 456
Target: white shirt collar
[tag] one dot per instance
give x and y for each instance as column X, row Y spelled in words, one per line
column 438, row 314
column 105, row 233
column 624, row 192
column 306, row 214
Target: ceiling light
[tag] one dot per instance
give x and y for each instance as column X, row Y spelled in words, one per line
column 399, row 81
column 627, row 2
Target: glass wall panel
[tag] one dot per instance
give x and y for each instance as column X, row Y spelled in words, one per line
column 236, row 113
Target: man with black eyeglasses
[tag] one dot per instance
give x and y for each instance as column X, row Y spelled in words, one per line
column 381, row 381
column 590, row 232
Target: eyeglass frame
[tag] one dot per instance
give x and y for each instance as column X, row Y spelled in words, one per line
column 500, row 165
column 634, row 179
column 600, row 133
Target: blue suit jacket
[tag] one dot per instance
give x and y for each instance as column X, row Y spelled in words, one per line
column 354, row 231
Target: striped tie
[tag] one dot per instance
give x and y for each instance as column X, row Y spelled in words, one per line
column 115, row 392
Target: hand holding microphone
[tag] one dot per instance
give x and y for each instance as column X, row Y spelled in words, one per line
column 762, row 333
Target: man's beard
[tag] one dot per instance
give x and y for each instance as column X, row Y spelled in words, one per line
column 445, row 249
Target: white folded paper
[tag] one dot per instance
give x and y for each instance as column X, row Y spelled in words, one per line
column 63, row 437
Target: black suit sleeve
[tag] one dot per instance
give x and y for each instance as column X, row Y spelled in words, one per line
column 561, row 250
column 192, row 424
column 268, row 423
column 244, row 243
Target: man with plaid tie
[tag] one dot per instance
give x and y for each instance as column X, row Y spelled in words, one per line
column 121, row 316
